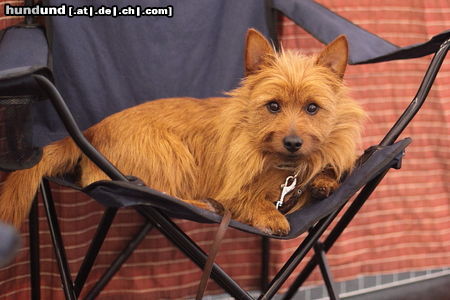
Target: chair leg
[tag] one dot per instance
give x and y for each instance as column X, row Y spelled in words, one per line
column 325, row 270
column 265, row 260
column 298, row 256
column 58, row 244
column 94, row 249
column 335, row 233
column 35, row 271
column 118, row 262
column 173, row 233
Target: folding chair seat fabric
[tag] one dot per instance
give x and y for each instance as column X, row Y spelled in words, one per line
column 127, row 194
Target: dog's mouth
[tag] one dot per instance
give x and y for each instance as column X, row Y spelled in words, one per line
column 288, row 166
column 287, row 161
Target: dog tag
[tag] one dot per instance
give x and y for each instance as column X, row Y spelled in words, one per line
column 288, row 186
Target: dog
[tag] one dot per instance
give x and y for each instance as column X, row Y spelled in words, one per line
column 290, row 116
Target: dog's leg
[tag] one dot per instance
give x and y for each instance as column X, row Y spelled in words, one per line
column 261, row 214
column 268, row 219
column 323, row 184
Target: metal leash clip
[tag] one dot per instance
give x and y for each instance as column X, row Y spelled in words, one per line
column 286, row 188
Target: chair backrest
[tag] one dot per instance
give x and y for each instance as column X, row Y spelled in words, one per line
column 102, row 65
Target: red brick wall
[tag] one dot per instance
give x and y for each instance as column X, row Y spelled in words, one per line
column 6, row 21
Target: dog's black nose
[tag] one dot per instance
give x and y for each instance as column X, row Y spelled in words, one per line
column 292, row 143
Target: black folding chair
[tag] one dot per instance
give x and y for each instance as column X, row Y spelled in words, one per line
column 27, row 77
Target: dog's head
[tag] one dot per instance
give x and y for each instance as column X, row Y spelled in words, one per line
column 297, row 105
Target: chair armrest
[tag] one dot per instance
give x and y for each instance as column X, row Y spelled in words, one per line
column 326, row 25
column 365, row 47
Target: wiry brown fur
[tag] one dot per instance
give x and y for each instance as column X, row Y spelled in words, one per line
column 227, row 149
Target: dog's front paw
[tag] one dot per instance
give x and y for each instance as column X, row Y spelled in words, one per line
column 272, row 223
column 322, row 187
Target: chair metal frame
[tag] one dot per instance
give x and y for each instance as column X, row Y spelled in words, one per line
column 156, row 219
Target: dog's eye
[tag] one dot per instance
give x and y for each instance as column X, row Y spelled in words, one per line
column 273, row 106
column 312, row 108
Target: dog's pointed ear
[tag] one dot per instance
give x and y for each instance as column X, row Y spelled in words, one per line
column 257, row 49
column 335, row 56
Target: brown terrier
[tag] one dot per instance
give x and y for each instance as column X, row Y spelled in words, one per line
column 290, row 115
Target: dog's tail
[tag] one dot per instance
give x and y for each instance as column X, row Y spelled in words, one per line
column 21, row 186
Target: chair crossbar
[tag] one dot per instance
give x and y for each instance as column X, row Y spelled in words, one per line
column 94, row 248
column 33, row 228
column 118, row 262
column 155, row 218
column 346, row 218
column 325, row 271
column 57, row 240
column 265, row 258
column 183, row 242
